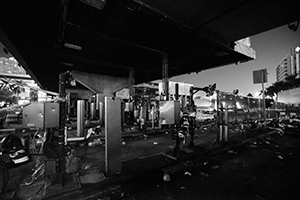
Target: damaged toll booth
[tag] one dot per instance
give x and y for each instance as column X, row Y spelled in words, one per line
column 109, row 45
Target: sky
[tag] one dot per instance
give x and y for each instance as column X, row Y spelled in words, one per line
column 271, row 47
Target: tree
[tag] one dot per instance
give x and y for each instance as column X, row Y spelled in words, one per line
column 7, row 96
column 11, row 88
column 290, row 82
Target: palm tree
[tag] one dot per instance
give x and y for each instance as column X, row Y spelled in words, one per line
column 289, row 83
column 12, row 87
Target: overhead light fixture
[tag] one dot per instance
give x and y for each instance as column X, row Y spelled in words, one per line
column 73, row 46
column 297, row 49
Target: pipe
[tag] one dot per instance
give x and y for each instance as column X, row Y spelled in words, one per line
column 75, row 139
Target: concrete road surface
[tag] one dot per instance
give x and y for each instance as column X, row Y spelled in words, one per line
column 266, row 169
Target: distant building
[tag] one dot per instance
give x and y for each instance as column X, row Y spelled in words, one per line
column 295, row 60
column 283, row 70
column 289, row 65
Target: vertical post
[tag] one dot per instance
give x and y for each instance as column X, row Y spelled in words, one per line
column 220, row 119
column 131, row 82
column 226, row 123
column 192, row 96
column 259, row 108
column 263, row 96
column 165, row 75
column 235, row 110
column 113, row 164
column 101, row 113
column 80, row 117
column 217, row 106
column 249, row 115
column 152, row 115
column 176, row 91
column 62, row 123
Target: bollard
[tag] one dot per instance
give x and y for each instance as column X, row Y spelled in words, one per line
column 80, row 117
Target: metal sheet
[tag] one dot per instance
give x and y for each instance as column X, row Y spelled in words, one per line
column 33, row 115
column 51, row 115
column 113, row 163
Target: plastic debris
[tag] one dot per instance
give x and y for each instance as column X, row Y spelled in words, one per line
column 215, row 167
column 166, row 177
column 253, row 146
column 205, row 163
column 95, row 142
column 187, row 173
column 87, row 167
column 204, row 174
column 123, row 143
column 183, row 188
column 280, row 157
column 155, row 143
column 232, row 152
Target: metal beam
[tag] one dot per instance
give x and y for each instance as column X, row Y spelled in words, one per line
column 16, row 76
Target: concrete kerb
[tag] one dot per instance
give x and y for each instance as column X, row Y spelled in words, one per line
column 111, row 185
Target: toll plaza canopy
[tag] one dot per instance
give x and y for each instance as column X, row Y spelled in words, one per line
column 111, row 37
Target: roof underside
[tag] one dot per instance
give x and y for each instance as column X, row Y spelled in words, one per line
column 133, row 34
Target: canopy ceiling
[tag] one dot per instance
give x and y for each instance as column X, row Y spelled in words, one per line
column 49, row 36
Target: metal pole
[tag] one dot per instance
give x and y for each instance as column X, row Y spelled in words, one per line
column 131, row 83
column 165, row 75
column 62, row 123
column 226, row 124
column 176, row 91
column 263, row 96
column 235, row 109
column 80, row 117
column 220, row 138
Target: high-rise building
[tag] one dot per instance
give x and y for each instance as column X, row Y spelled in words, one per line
column 283, row 70
column 295, row 60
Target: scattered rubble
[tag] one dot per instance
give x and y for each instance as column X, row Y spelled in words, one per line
column 166, row 177
column 187, row 173
column 215, row 167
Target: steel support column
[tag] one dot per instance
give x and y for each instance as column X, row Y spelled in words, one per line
column 165, row 76
column 62, row 122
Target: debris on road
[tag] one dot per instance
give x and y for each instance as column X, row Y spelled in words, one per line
column 232, row 152
column 204, row 174
column 280, row 157
column 215, row 167
column 187, row 173
column 166, row 177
